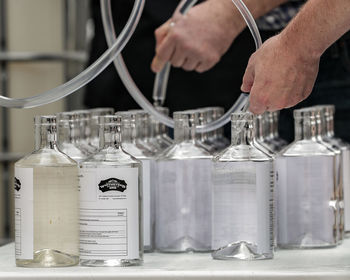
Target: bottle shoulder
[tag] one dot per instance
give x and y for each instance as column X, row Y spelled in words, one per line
column 185, row 150
column 111, row 157
column 306, row 147
column 242, row 153
column 136, row 151
column 46, row 157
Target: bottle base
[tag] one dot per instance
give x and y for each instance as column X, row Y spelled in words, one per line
column 183, row 245
column 306, row 247
column 240, row 251
column 111, row 263
column 49, row 258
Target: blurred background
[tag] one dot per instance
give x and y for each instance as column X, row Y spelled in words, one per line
column 42, row 44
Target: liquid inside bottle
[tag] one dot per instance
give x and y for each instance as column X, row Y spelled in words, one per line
column 243, row 186
column 183, row 196
column 46, row 203
column 307, row 201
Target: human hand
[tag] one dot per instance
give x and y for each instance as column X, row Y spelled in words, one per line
column 279, row 75
column 197, row 40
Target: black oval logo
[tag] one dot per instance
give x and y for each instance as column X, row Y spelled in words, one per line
column 112, row 184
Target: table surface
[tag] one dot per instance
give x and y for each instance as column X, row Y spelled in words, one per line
column 330, row 264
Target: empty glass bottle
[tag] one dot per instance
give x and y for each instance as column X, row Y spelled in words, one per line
column 306, row 189
column 183, row 196
column 94, row 126
column 243, row 201
column 46, row 203
column 110, row 202
column 69, row 136
column 130, row 144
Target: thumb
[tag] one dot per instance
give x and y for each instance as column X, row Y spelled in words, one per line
column 248, row 79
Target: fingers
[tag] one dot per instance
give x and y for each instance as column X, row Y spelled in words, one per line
column 163, row 54
column 190, row 64
column 161, row 32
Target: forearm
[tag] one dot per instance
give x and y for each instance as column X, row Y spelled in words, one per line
column 232, row 17
column 317, row 26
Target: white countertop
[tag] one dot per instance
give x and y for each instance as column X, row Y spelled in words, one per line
column 325, row 264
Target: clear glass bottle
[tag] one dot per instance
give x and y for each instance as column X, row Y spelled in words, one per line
column 220, row 141
column 84, row 119
column 306, row 189
column 94, row 126
column 272, row 138
column 133, row 147
column 111, row 202
column 69, row 136
column 329, row 111
column 243, row 200
column 183, row 196
column 46, row 203
column 159, row 132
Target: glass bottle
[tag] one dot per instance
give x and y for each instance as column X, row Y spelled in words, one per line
column 329, row 111
column 183, row 196
column 272, row 138
column 69, row 136
column 84, row 119
column 94, row 126
column 46, row 203
column 243, row 201
column 110, row 202
column 133, row 147
column 306, row 189
column 220, row 141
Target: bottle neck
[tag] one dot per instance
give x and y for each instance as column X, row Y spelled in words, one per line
column 110, row 136
column 242, row 133
column 184, row 132
column 329, row 127
column 305, row 129
column 68, row 132
column 45, row 137
column 259, row 128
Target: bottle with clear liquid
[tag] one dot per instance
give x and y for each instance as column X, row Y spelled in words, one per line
column 130, row 144
column 306, row 189
column 183, row 196
column 94, row 126
column 344, row 204
column 69, row 136
column 111, row 202
column 243, row 201
column 272, row 138
column 84, row 119
column 46, row 203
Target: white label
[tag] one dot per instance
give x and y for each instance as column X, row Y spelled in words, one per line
column 243, row 204
column 147, row 203
column 306, row 202
column 24, row 213
column 109, row 213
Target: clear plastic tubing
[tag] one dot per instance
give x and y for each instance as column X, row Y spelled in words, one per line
column 88, row 74
column 162, row 77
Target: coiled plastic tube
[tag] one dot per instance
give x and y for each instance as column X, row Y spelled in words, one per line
column 88, row 74
column 241, row 103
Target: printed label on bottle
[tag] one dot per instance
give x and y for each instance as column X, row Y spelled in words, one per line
column 243, row 205
column 23, row 193
column 109, row 213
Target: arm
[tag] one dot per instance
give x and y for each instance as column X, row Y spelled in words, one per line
column 197, row 40
column 283, row 72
